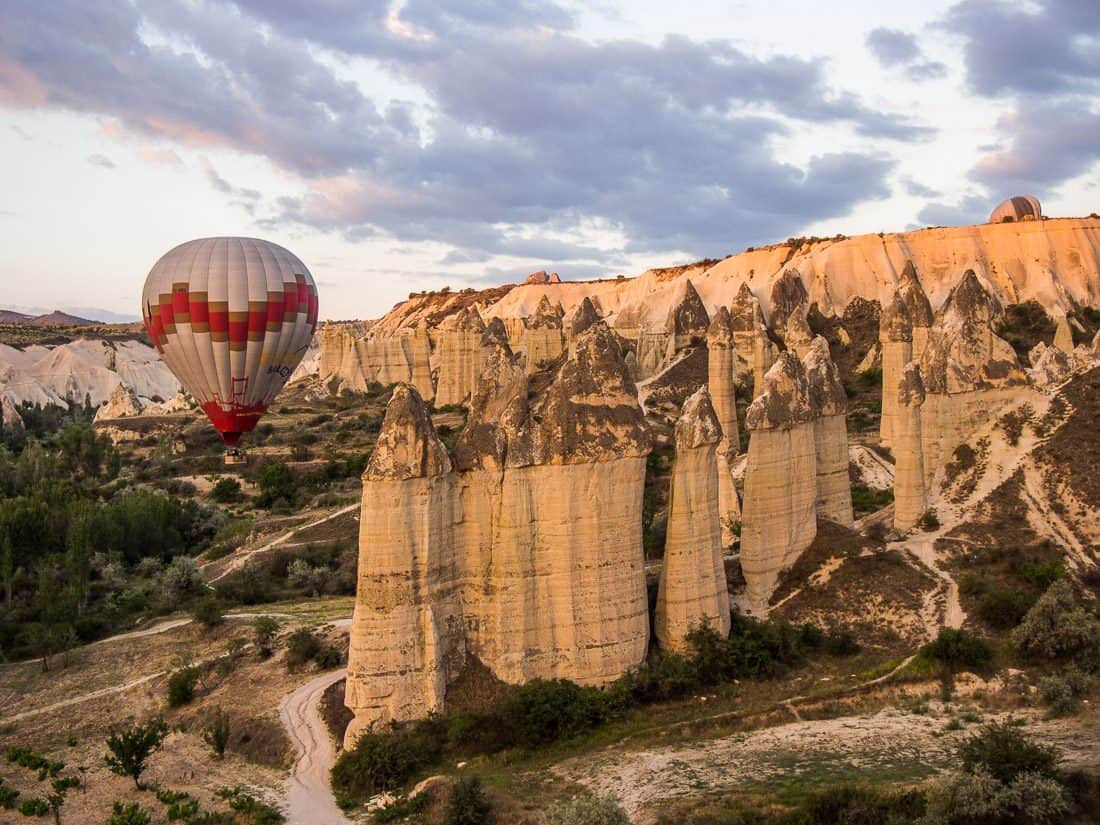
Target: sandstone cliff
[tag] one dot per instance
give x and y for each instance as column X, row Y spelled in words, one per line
column 544, row 336
column 910, row 493
column 459, row 357
column 903, row 336
column 830, row 406
column 687, row 322
column 406, row 639
column 720, row 384
column 122, row 403
column 779, row 513
column 750, row 337
column 692, row 588
column 10, row 419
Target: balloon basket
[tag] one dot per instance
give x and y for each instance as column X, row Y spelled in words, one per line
column 235, row 455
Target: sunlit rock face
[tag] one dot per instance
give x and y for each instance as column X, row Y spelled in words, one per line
column 721, row 368
column 966, row 369
column 687, row 321
column 750, row 337
column 910, row 492
column 830, row 408
column 459, row 357
column 779, row 512
column 903, row 335
column 692, row 588
column 544, row 336
column 352, row 358
column 528, row 550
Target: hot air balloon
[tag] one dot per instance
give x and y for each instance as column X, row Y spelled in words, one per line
column 232, row 318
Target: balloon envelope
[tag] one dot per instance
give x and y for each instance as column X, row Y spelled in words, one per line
column 232, row 318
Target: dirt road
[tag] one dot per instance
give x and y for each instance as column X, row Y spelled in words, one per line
column 309, row 797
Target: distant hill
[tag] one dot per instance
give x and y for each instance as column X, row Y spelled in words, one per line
column 10, row 316
column 60, row 318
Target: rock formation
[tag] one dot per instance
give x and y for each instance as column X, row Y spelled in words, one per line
column 798, row 336
column 122, row 403
column 541, row 277
column 406, row 635
column 910, row 493
column 352, row 358
column 830, row 406
column 1063, row 336
column 1049, row 365
column 750, row 336
column 582, row 319
column 535, row 536
column 10, row 419
column 903, row 335
column 543, row 337
column 964, row 367
column 692, row 588
column 687, row 321
column 459, row 357
column 788, row 293
column 779, row 513
column 720, row 383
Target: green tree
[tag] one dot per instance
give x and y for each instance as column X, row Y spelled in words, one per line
column 264, row 630
column 277, row 483
column 216, row 733
column 130, row 814
column 226, row 490
column 130, row 748
column 79, row 546
column 468, row 805
column 7, row 565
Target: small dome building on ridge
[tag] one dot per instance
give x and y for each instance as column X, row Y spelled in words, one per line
column 1019, row 208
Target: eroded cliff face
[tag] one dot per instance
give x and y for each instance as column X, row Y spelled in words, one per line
column 459, row 357
column 354, row 359
column 544, row 335
column 966, row 369
column 721, row 377
column 903, row 336
column 687, row 321
column 830, row 406
column 533, row 559
column 755, row 352
column 910, row 492
column 692, row 588
column 406, row 635
column 779, row 512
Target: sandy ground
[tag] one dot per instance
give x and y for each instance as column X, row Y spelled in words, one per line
column 888, row 742
column 309, row 799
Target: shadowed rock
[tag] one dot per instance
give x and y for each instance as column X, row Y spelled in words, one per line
column 788, row 293
column 830, row 404
column 910, row 492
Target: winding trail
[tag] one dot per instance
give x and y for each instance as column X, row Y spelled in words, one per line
column 237, row 562
column 308, row 794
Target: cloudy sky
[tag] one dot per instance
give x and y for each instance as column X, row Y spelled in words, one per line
column 401, row 145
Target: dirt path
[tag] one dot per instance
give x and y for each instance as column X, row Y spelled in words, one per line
column 308, row 794
column 237, row 562
column 923, row 546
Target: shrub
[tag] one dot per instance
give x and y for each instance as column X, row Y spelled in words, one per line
column 468, row 805
column 1003, row 751
column 585, row 810
column 403, row 808
column 979, row 797
column 131, row 814
column 8, row 797
column 302, row 646
column 130, row 748
column 958, row 649
column 841, row 643
column 181, row 686
column 1004, row 608
column 216, row 733
column 208, row 612
column 386, row 761
column 1063, row 691
column 277, row 484
column 1058, row 627
column 264, row 630
column 226, row 490
column 1043, row 573
column 929, row 522
column 34, row 806
column 257, row 812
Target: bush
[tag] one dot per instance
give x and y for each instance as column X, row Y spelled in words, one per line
column 216, row 733
column 841, row 643
column 468, row 805
column 302, row 646
column 1059, row 628
column 1043, row 573
column 264, row 630
column 226, row 490
column 34, row 806
column 1003, row 608
column 277, row 484
column 8, row 797
column 386, row 761
column 181, row 686
column 978, row 797
column 585, row 810
column 208, row 612
column 1063, row 691
column 1002, row 751
column 958, row 649
column 929, row 522
column 403, row 808
column 130, row 748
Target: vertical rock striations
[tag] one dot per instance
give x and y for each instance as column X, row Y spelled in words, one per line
column 830, row 406
column 459, row 356
column 406, row 636
column 544, row 336
column 750, row 336
column 692, row 588
column 779, row 513
column 903, row 333
column 720, row 383
column 910, row 493
column 919, row 308
column 788, row 293
column 964, row 368
column 798, row 336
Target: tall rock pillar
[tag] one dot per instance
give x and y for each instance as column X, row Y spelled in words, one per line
column 460, row 357
column 910, row 493
column 720, row 383
column 830, row 406
column 750, row 336
column 406, row 633
column 692, row 588
column 779, row 513
column 895, row 334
